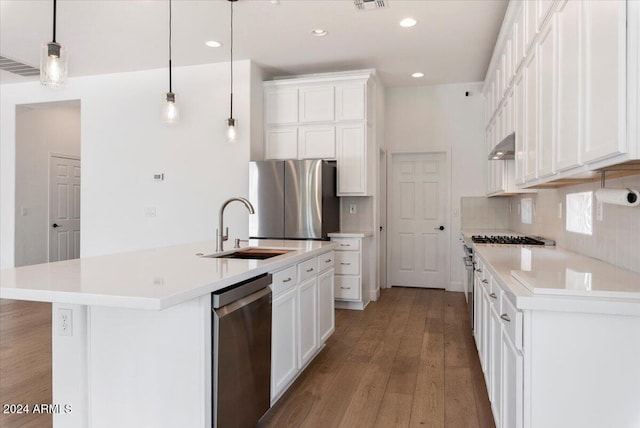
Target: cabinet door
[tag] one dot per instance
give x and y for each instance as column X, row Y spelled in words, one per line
column 317, row 104
column 284, row 349
column 531, row 116
column 512, row 384
column 543, row 8
column 281, row 106
column 604, row 33
column 317, row 142
column 484, row 355
column 351, row 157
column 351, row 102
column 307, row 320
column 495, row 365
column 545, row 150
column 326, row 311
column 519, row 129
column 531, row 23
column 569, row 94
column 521, row 45
column 281, row 143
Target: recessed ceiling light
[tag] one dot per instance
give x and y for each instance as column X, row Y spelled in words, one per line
column 319, row 32
column 213, row 44
column 408, row 22
column 417, row 75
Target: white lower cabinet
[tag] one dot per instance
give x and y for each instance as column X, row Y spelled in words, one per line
column 308, row 320
column 284, row 349
column 302, row 318
column 326, row 312
column 498, row 330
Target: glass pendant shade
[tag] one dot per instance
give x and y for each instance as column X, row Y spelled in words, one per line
column 170, row 112
column 232, row 131
column 53, row 65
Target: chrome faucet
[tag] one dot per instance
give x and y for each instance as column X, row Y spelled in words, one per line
column 220, row 236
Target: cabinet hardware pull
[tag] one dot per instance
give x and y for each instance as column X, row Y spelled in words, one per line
column 328, row 261
column 346, row 288
column 484, row 281
column 493, row 296
column 345, row 245
column 346, row 264
column 286, row 280
column 479, row 270
column 310, row 270
column 505, row 317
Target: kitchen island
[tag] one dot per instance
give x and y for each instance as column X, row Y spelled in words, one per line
column 558, row 337
column 136, row 347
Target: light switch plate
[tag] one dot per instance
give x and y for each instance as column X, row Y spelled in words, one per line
column 353, row 208
column 599, row 211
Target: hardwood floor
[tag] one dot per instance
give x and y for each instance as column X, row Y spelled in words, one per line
column 408, row 360
column 25, row 361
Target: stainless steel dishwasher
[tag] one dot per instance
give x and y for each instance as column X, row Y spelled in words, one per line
column 241, row 349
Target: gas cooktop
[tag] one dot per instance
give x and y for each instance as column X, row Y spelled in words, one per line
column 511, row 240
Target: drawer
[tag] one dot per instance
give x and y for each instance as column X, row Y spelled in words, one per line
column 284, row 280
column 307, row 269
column 347, row 263
column 326, row 261
column 347, row 244
column 347, row 287
column 495, row 295
column 512, row 321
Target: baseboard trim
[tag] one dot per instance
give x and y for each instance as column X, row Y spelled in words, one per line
column 455, row 286
column 344, row 304
column 374, row 295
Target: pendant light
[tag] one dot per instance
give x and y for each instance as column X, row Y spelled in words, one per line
column 170, row 112
column 232, row 131
column 53, row 60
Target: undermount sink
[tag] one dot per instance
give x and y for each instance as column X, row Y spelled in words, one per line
column 250, row 253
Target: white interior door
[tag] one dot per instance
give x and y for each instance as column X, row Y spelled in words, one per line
column 64, row 208
column 418, row 214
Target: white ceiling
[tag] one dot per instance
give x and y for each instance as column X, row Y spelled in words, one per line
column 452, row 42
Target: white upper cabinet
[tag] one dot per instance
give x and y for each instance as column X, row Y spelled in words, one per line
column 329, row 116
column 317, row 104
column 531, row 137
column 569, row 94
column 351, row 145
column 317, row 142
column 281, row 143
column 604, row 36
column 531, row 23
column 351, row 102
column 281, row 106
column 519, row 112
column 546, row 100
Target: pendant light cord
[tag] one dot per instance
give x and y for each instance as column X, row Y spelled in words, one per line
column 231, row 104
column 54, row 21
column 170, row 87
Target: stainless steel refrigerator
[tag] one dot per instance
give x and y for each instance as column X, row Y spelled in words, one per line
column 293, row 199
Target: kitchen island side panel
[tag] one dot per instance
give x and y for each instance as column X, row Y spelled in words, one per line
column 150, row 368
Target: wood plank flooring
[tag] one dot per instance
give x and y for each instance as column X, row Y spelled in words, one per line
column 408, row 360
column 25, row 361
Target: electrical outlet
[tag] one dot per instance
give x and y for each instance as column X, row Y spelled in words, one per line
column 353, row 208
column 599, row 211
column 65, row 322
column 149, row 212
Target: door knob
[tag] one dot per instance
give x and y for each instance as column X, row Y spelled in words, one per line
column 55, row 225
column 439, row 228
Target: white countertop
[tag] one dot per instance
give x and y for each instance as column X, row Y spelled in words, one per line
column 538, row 277
column 147, row 279
column 350, row 234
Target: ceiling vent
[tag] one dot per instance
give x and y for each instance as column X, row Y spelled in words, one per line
column 18, row 67
column 370, row 4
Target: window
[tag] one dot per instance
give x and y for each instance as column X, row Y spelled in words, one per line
column 580, row 212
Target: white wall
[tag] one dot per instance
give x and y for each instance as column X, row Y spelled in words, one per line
column 436, row 118
column 124, row 142
column 41, row 130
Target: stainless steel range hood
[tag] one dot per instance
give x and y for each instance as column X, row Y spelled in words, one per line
column 505, row 149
